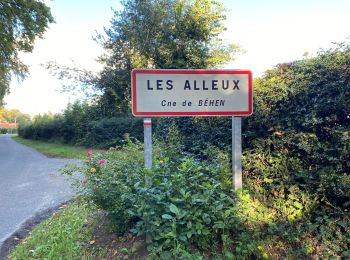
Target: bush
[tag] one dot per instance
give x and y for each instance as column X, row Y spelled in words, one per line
column 188, row 210
column 181, row 203
column 298, row 140
column 302, row 120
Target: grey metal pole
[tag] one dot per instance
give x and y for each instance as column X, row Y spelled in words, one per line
column 237, row 152
column 147, row 142
column 147, row 135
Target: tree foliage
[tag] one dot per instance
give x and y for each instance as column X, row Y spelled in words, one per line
column 158, row 34
column 21, row 21
column 155, row 34
column 14, row 115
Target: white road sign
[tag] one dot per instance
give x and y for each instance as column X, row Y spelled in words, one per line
column 192, row 93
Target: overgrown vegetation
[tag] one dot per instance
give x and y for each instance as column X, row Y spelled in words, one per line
column 186, row 208
column 179, row 203
column 298, row 145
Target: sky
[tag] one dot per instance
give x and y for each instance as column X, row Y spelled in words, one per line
column 269, row 32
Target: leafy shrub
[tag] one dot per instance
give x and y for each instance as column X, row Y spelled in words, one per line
column 186, row 206
column 306, row 125
column 181, row 203
column 298, row 145
column 296, row 152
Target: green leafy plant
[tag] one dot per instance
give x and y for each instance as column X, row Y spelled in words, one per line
column 180, row 204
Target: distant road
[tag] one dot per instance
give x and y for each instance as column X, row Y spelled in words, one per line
column 29, row 183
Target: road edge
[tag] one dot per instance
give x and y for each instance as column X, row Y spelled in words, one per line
column 25, row 227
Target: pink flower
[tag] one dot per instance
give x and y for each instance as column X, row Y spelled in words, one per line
column 89, row 159
column 101, row 162
column 89, row 153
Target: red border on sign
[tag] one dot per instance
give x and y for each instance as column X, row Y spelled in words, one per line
column 202, row 113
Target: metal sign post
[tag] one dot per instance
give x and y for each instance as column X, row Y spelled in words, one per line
column 237, row 152
column 147, row 135
column 147, row 142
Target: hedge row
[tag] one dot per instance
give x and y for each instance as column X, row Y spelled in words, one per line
column 79, row 129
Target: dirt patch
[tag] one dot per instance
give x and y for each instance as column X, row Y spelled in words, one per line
column 115, row 247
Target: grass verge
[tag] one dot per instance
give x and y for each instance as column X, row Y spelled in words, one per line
column 78, row 231
column 54, row 149
column 62, row 235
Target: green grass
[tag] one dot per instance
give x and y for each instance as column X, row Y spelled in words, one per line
column 66, row 235
column 54, row 149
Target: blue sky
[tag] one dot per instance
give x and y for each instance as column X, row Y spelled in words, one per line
column 270, row 31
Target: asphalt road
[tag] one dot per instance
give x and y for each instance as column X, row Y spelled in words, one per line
column 29, row 183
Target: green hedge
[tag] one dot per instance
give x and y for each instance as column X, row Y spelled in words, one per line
column 83, row 124
column 302, row 119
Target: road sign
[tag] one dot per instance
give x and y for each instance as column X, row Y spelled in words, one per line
column 192, row 93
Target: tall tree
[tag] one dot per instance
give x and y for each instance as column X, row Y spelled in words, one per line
column 160, row 34
column 21, row 21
